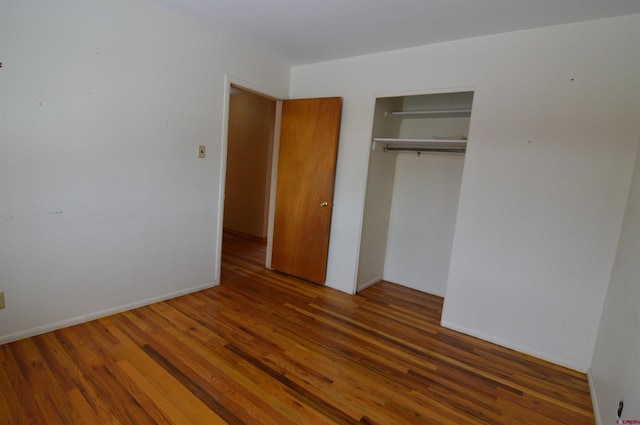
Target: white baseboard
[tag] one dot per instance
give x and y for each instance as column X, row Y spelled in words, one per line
column 369, row 283
column 517, row 347
column 92, row 316
column 340, row 288
column 400, row 282
column 594, row 401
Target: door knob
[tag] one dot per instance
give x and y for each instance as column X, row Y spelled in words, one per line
column 324, row 203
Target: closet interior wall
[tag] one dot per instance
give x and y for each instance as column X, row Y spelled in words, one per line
column 412, row 198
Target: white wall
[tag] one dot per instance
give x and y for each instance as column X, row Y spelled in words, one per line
column 423, row 218
column 103, row 203
column 615, row 370
column 379, row 195
column 545, row 180
column 375, row 223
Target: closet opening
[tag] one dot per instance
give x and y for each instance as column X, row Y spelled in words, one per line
column 415, row 170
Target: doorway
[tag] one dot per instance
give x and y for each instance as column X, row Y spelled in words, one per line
column 251, row 160
column 250, row 150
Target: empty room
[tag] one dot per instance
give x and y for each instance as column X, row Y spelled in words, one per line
column 319, row 212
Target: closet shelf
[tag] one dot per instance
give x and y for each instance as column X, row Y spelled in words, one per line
column 422, row 145
column 434, row 113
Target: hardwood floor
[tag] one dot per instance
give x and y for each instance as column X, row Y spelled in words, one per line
column 263, row 348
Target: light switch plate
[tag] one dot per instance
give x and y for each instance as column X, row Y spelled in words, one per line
column 201, row 151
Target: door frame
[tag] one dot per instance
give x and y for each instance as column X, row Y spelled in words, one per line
column 230, row 80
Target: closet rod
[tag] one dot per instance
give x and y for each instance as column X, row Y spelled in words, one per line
column 386, row 149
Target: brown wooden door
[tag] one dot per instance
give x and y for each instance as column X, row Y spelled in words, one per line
column 304, row 192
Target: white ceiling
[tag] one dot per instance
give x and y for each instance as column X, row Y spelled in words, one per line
column 307, row 31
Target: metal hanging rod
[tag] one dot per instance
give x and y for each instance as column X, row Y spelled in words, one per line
column 386, row 149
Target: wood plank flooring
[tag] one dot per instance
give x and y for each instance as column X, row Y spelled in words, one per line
column 263, row 348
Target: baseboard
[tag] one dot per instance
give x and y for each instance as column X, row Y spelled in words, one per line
column 411, row 286
column 517, row 347
column 369, row 283
column 243, row 235
column 339, row 288
column 108, row 312
column 594, row 401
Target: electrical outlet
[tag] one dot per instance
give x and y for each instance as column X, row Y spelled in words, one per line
column 201, row 151
column 620, row 407
column 1, row 300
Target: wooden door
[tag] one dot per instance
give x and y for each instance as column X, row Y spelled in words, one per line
column 304, row 193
